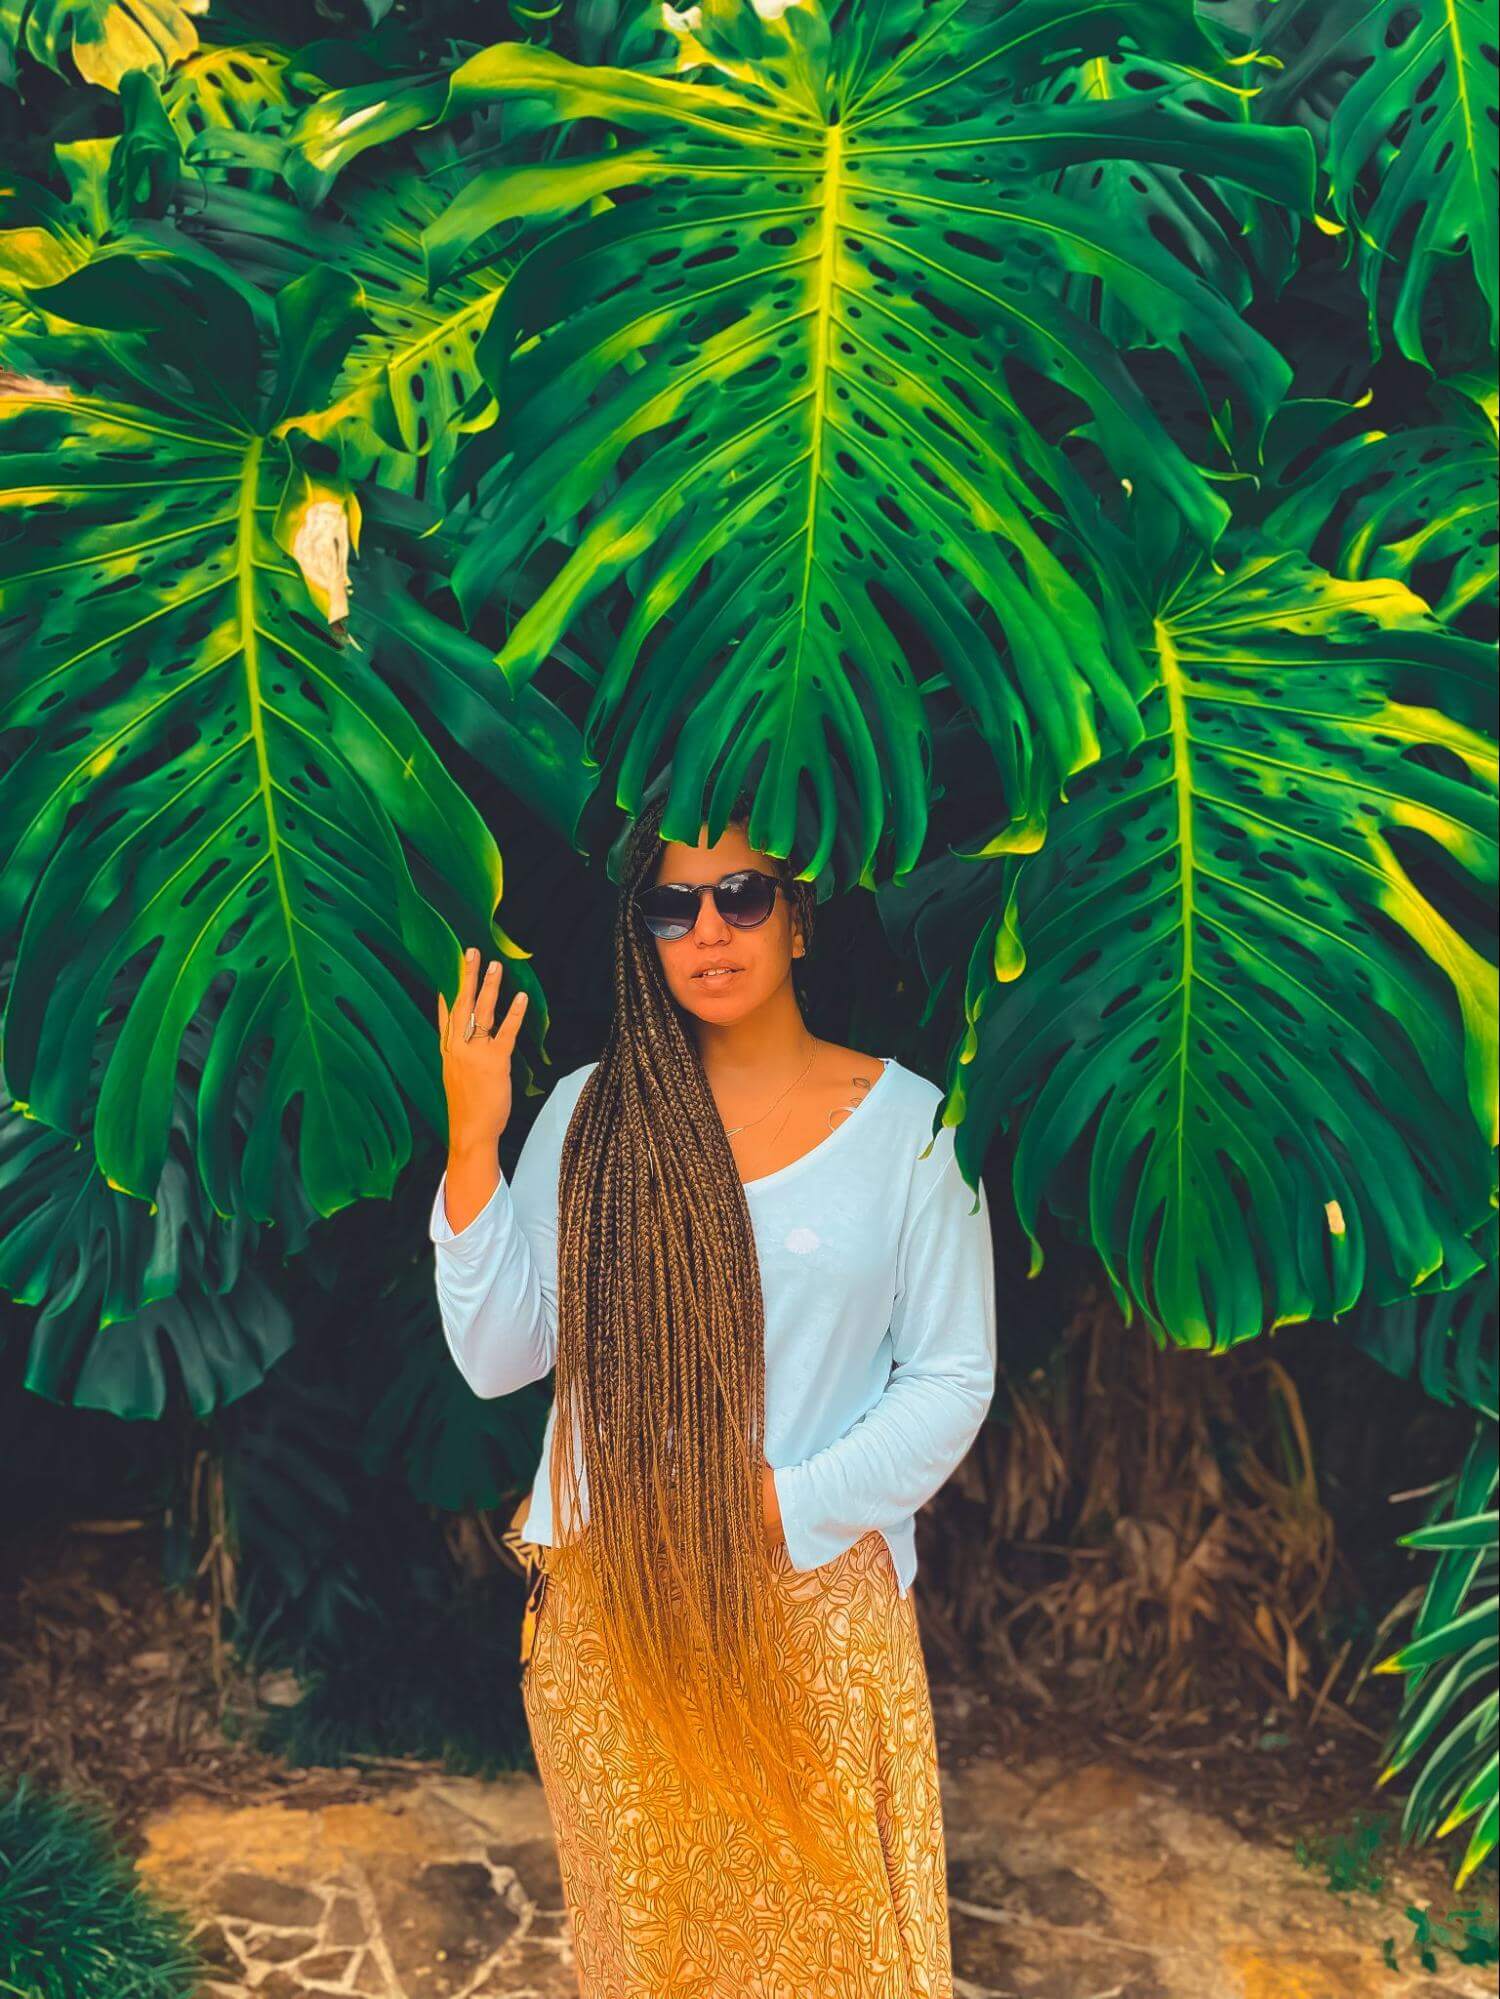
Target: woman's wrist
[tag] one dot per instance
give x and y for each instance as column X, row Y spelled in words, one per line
column 468, row 1146
column 473, row 1175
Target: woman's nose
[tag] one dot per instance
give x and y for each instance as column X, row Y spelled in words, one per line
column 710, row 927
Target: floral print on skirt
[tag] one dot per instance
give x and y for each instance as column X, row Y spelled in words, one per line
column 672, row 1901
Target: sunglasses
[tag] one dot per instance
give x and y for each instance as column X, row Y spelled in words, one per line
column 744, row 899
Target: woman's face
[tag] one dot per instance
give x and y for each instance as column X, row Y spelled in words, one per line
column 761, row 957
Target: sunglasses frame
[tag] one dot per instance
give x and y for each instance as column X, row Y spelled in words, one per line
column 699, row 889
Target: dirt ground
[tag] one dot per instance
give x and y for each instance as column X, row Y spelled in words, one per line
column 1086, row 1861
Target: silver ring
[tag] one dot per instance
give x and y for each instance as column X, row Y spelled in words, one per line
column 469, row 1030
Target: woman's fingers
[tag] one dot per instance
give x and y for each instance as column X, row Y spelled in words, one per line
column 489, row 992
column 510, row 1026
column 468, row 979
column 463, row 999
column 481, row 999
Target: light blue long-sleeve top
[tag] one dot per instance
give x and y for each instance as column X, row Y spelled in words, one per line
column 878, row 1281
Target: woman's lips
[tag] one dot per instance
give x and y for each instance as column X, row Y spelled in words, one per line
column 717, row 978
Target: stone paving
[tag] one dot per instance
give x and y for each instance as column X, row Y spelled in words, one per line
column 1085, row 1884
column 447, row 1890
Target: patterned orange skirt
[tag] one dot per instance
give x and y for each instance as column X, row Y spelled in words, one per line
column 672, row 1901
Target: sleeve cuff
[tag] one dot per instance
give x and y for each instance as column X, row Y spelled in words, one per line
column 805, row 1547
column 478, row 1231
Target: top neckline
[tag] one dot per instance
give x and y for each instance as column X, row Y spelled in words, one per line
column 817, row 1151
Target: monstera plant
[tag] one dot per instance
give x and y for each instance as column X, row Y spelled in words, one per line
column 1045, row 447
column 838, row 261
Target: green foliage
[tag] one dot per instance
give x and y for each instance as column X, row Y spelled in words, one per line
column 1417, row 506
column 339, row 1472
column 844, row 371
column 168, row 1282
column 74, row 1921
column 1046, row 450
column 1448, row 1341
column 1448, row 1729
column 1170, row 984
column 249, row 752
column 435, row 1679
column 831, row 273
column 106, row 40
column 1450, row 1715
column 1410, row 105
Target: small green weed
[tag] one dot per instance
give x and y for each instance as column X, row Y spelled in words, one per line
column 1350, row 1859
column 1466, row 1934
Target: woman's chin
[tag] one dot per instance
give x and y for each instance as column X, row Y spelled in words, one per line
column 712, row 999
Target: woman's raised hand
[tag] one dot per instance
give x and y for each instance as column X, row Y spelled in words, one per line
column 476, row 1072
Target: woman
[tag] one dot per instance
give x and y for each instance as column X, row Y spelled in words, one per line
column 769, row 1297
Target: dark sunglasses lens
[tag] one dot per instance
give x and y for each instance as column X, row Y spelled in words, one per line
column 745, row 900
column 668, row 912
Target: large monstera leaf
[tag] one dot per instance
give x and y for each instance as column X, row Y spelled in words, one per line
column 399, row 398
column 1416, row 504
column 105, row 38
column 778, row 387
column 1446, row 1341
column 217, row 808
column 241, row 88
column 1412, row 93
column 1222, row 230
column 136, row 1310
column 45, row 233
column 42, row 238
column 1237, row 1030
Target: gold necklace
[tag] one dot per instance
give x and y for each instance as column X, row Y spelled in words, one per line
column 730, row 1130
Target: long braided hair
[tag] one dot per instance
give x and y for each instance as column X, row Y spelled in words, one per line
column 661, row 1373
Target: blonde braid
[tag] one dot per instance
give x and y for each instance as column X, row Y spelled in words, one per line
column 661, row 1371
